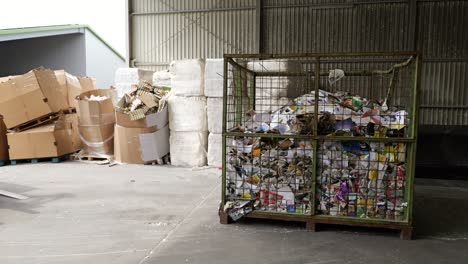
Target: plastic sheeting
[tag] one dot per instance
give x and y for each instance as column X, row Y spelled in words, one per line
column 126, row 77
column 132, row 75
column 187, row 77
column 187, row 113
column 162, row 78
column 188, row 149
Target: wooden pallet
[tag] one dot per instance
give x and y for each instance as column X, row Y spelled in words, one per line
column 42, row 120
column 4, row 162
column 313, row 222
column 45, row 159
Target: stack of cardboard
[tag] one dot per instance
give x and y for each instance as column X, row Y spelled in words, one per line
column 38, row 108
column 96, row 122
column 141, row 139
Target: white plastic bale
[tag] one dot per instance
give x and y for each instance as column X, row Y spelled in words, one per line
column 215, row 115
column 215, row 149
column 132, row 75
column 188, row 149
column 187, row 113
column 187, row 77
column 214, row 77
column 162, row 78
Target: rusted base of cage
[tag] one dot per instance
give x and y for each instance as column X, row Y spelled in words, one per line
column 313, row 223
column 223, row 216
column 406, row 230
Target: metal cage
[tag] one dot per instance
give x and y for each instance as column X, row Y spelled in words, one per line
column 320, row 138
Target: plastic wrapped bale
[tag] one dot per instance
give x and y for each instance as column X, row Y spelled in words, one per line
column 215, row 149
column 132, row 75
column 162, row 79
column 187, row 113
column 187, row 77
column 214, row 69
column 215, row 115
column 188, row 149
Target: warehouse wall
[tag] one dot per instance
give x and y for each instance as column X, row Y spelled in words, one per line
column 55, row 52
column 161, row 31
column 101, row 61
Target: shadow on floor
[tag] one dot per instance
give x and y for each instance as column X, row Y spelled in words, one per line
column 29, row 205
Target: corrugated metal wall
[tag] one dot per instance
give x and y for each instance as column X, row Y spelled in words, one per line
column 165, row 30
column 168, row 30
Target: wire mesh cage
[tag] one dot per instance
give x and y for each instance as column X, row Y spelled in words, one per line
column 320, row 135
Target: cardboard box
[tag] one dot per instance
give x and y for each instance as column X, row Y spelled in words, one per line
column 158, row 120
column 87, row 83
column 26, row 97
column 51, row 140
column 3, row 141
column 7, row 78
column 140, row 145
column 96, row 112
column 71, row 84
column 22, row 100
column 97, row 139
column 57, row 96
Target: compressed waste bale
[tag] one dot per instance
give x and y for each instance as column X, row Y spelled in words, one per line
column 214, row 69
column 215, row 149
column 187, row 113
column 187, row 77
column 188, row 149
column 215, row 115
column 162, row 79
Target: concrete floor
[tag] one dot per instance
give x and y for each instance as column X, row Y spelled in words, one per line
column 86, row 213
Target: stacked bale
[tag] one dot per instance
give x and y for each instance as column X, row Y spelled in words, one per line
column 187, row 114
column 214, row 84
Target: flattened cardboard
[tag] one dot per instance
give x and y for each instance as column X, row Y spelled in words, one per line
column 97, row 139
column 52, row 140
column 158, row 120
column 3, row 141
column 22, row 100
column 155, row 145
column 96, row 112
column 127, row 144
column 56, row 94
